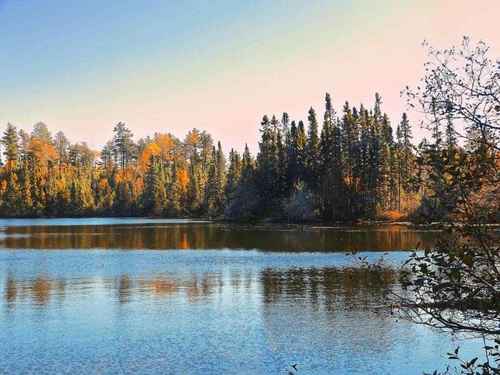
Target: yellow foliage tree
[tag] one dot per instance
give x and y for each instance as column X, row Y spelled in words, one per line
column 42, row 151
column 166, row 145
column 183, row 179
column 150, row 150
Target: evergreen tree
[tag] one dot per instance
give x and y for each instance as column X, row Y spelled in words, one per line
column 267, row 165
column 247, row 165
column 10, row 142
column 285, row 127
column 293, row 173
column 24, row 140
column 211, row 195
column 123, row 145
column 312, row 166
column 332, row 181
column 41, row 132
column 233, row 174
column 405, row 154
column 62, row 145
column 154, row 194
column 197, row 188
column 353, row 169
column 220, row 163
column 107, row 156
column 301, row 151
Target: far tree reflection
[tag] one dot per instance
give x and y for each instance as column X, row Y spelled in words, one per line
column 215, row 236
column 327, row 287
column 39, row 291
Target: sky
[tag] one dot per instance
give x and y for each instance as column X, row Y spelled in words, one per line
column 218, row 65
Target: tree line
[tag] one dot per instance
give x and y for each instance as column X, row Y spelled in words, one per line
column 342, row 166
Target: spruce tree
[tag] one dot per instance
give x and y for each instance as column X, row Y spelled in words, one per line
column 301, row 151
column 312, row 166
column 211, row 195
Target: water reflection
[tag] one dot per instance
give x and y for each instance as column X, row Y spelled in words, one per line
column 348, row 288
column 214, row 236
column 205, row 312
column 41, row 291
column 38, row 291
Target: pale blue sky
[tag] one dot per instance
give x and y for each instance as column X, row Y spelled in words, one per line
column 81, row 66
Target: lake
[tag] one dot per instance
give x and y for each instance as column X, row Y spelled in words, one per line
column 146, row 296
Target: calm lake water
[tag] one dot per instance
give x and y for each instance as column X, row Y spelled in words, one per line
column 141, row 296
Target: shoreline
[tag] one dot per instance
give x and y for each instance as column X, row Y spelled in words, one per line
column 311, row 225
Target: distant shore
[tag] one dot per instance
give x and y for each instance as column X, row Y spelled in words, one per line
column 267, row 222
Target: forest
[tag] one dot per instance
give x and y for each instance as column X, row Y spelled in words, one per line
column 341, row 166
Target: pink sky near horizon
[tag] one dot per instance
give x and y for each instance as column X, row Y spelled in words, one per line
column 227, row 89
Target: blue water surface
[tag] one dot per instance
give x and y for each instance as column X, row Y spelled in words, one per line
column 204, row 311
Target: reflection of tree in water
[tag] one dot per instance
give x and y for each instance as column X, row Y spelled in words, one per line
column 124, row 288
column 159, row 286
column 193, row 289
column 216, row 236
column 201, row 286
column 327, row 287
column 10, row 290
column 335, row 312
column 353, row 287
column 39, row 290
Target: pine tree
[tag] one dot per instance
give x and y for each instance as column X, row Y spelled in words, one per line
column 154, row 194
column 221, row 176
column 62, row 145
column 247, row 165
column 386, row 188
column 293, row 173
column 24, row 140
column 41, row 132
column 282, row 187
column 10, row 142
column 25, row 181
column 267, row 165
column 107, row 156
column 301, row 151
column 312, row 166
column 233, row 175
column 332, row 181
column 285, row 127
column 348, row 150
column 373, row 170
column 123, row 145
column 406, row 157
column 211, row 195
column 196, row 190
